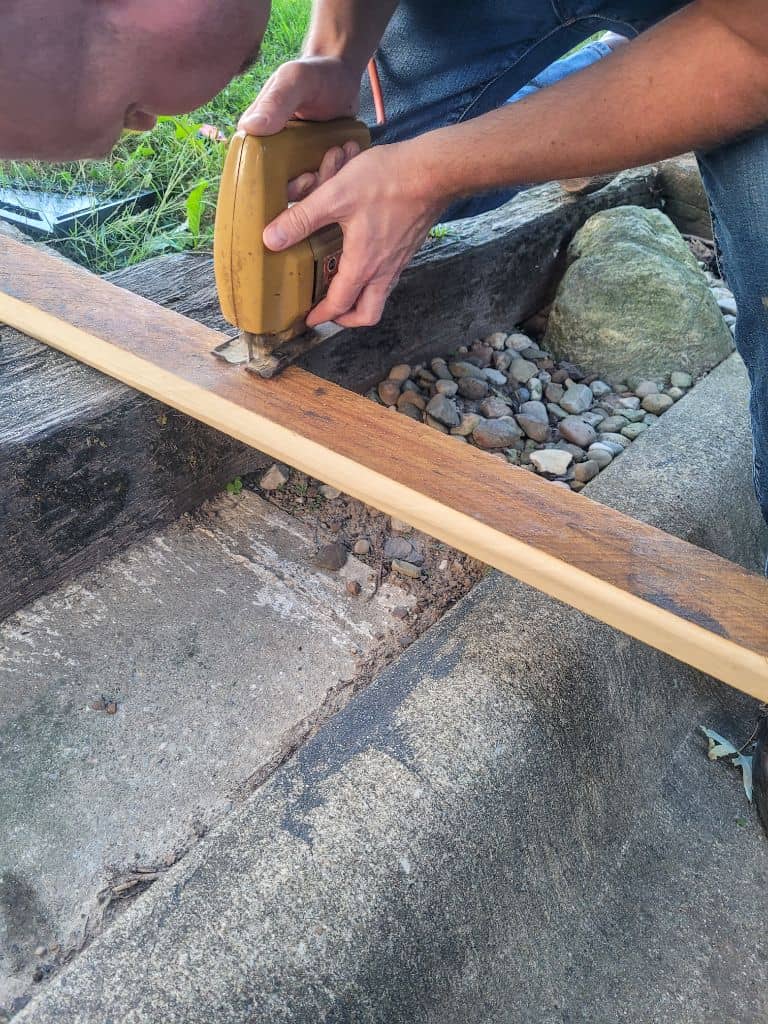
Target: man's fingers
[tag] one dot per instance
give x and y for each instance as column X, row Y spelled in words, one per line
column 276, row 103
column 351, row 150
column 331, row 164
column 368, row 308
column 341, row 298
column 301, row 187
column 299, row 221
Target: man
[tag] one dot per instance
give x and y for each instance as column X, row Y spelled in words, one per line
column 697, row 77
column 72, row 73
column 75, row 73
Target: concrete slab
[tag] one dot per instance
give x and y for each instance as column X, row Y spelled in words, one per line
column 219, row 647
column 516, row 822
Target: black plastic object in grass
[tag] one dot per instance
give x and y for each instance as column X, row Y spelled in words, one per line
column 48, row 214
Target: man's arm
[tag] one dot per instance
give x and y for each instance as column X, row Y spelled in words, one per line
column 325, row 81
column 698, row 79
column 347, row 29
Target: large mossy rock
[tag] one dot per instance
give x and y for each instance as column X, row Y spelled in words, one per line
column 633, row 301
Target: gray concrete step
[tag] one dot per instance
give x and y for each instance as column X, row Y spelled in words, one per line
column 516, row 822
column 223, row 647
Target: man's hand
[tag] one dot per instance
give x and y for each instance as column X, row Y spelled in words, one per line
column 641, row 104
column 325, row 82
column 315, row 89
column 384, row 214
column 312, row 88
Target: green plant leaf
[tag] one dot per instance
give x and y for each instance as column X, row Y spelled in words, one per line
column 184, row 128
column 195, row 207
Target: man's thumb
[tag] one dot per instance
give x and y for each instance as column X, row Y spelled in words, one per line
column 276, row 103
column 296, row 223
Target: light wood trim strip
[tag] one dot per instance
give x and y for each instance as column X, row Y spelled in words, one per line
column 676, row 597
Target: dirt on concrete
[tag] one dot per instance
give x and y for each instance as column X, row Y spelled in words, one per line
column 431, row 575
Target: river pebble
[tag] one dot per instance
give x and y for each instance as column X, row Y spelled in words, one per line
column 389, row 391
column 505, row 394
column 634, row 430
column 397, row 547
column 577, row 398
column 472, row 388
column 443, row 409
column 495, row 377
column 645, row 388
column 400, row 373
column 586, row 471
column 600, row 454
column 551, row 461
column 498, row 433
column 657, row 404
column 494, row 407
column 612, row 425
column 522, row 370
column 406, row 568
column 275, row 477
column 574, row 429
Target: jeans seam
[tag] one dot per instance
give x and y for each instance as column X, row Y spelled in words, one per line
column 557, row 12
column 510, row 67
column 716, row 235
column 543, row 39
column 601, row 17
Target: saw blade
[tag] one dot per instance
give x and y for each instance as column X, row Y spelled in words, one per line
column 240, row 350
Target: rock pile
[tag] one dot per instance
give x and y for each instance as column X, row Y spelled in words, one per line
column 508, row 396
column 508, row 393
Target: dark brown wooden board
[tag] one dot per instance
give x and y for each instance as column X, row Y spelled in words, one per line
column 88, row 466
column 676, row 597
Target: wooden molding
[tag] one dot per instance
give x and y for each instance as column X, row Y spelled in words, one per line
column 678, row 598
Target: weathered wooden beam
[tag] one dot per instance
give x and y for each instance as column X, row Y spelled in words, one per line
column 678, row 598
column 88, row 465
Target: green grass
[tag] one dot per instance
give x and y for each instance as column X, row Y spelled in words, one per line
column 181, row 168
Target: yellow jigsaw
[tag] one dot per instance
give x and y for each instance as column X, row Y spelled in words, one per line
column 265, row 294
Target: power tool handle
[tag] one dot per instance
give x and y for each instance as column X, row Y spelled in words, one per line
column 299, row 148
column 261, row 291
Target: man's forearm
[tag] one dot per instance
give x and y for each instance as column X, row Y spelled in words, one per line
column 347, row 29
column 692, row 82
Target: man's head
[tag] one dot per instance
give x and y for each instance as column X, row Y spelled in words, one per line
column 74, row 73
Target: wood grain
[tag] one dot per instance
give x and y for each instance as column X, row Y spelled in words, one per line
column 674, row 596
column 88, row 466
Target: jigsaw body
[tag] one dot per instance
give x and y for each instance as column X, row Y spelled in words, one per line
column 267, row 295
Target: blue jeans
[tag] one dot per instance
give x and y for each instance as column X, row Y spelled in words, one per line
column 442, row 63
